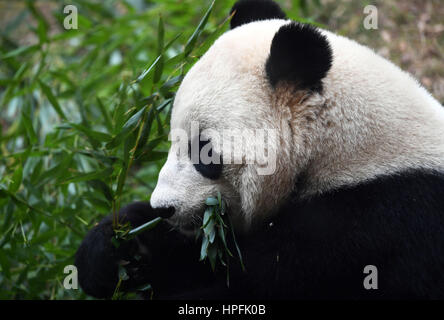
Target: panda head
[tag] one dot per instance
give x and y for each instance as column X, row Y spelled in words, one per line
column 227, row 108
column 276, row 105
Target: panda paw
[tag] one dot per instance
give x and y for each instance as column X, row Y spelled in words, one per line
column 98, row 260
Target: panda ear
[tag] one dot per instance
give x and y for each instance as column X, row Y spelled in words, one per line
column 246, row 11
column 299, row 54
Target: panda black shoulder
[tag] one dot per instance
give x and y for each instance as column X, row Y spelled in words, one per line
column 394, row 222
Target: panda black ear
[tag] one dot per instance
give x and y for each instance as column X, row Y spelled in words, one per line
column 299, row 54
column 247, row 11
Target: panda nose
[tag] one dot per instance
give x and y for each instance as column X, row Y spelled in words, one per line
column 165, row 212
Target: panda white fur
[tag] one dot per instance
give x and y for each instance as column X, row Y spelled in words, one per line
column 359, row 177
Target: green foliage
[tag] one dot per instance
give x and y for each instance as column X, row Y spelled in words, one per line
column 216, row 226
column 84, row 120
column 84, row 116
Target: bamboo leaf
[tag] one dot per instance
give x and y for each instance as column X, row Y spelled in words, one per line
column 52, row 99
column 211, row 202
column 127, row 128
column 105, row 114
column 145, row 227
column 27, row 123
column 88, row 176
column 160, row 43
column 148, row 71
column 16, row 179
column 21, row 51
column 204, row 248
column 193, row 39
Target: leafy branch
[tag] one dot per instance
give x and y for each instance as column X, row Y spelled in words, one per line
column 215, row 228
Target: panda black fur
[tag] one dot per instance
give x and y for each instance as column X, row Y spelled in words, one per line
column 359, row 181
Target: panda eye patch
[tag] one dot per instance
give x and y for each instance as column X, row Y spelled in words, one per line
column 205, row 160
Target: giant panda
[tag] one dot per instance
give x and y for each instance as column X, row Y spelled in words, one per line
column 358, row 178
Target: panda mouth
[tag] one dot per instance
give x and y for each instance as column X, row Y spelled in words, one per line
column 186, row 225
column 189, row 230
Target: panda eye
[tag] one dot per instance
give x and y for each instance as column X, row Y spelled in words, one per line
column 206, row 161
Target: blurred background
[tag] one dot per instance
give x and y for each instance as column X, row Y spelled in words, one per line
column 84, row 112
